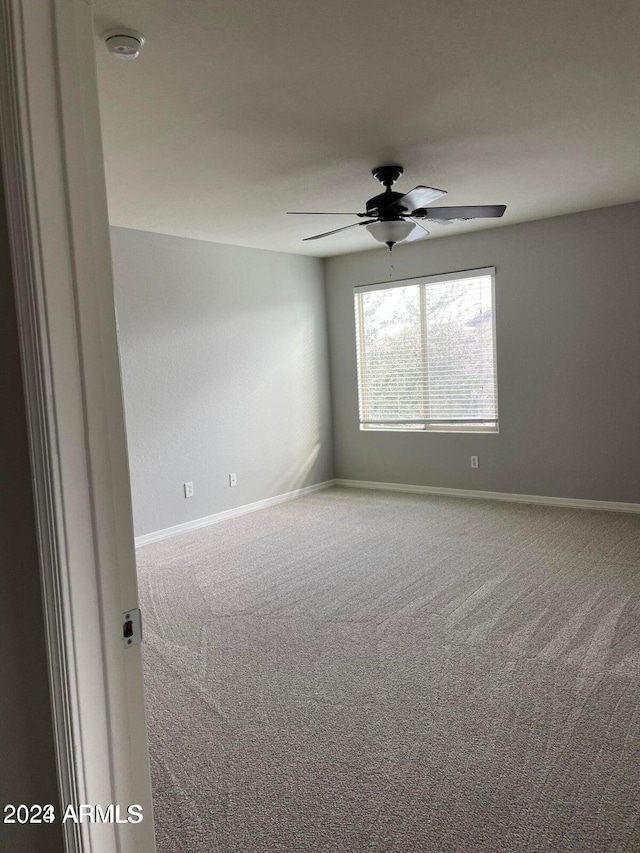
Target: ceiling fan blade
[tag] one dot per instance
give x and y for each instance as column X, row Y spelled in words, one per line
column 336, row 230
column 478, row 211
column 418, row 232
column 322, row 213
column 418, row 197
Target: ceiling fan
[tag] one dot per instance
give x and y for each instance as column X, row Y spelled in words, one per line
column 392, row 217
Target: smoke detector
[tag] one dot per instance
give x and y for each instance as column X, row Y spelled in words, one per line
column 123, row 43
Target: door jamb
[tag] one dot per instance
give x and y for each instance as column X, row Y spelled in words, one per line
column 58, row 230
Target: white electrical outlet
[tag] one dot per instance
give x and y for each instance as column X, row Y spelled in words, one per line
column 232, row 481
column 474, row 461
column 188, row 490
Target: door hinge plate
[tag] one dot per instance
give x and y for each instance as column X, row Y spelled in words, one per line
column 132, row 627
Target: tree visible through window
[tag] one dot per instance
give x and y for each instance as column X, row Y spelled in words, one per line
column 426, row 353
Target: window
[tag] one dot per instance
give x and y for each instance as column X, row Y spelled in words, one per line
column 426, row 353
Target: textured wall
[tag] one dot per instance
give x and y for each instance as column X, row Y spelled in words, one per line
column 225, row 369
column 568, row 343
column 27, row 762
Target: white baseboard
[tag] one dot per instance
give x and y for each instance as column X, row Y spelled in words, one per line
column 573, row 503
column 197, row 523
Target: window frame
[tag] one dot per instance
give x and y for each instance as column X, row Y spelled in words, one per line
column 462, row 425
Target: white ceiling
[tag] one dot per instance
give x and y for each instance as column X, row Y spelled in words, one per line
column 239, row 110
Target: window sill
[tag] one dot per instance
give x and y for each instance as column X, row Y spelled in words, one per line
column 455, row 430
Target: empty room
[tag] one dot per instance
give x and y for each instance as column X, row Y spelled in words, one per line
column 376, row 273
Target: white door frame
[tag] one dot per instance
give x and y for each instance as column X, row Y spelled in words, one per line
column 59, row 235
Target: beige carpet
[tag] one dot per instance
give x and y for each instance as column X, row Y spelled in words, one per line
column 364, row 672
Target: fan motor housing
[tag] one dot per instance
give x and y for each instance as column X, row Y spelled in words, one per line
column 380, row 204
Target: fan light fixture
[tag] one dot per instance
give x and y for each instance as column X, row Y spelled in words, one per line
column 391, row 231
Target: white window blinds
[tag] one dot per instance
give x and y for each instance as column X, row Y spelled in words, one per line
column 426, row 353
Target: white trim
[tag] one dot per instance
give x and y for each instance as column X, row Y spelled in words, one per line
column 197, row 523
column 458, row 275
column 570, row 503
column 59, row 238
column 443, row 421
column 25, row 247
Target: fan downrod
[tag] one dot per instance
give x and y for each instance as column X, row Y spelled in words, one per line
column 387, row 175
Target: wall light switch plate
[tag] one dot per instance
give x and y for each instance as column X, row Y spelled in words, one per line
column 188, row 490
column 232, row 481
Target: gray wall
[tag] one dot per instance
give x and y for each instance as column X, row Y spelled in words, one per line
column 27, row 772
column 225, row 369
column 568, row 342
